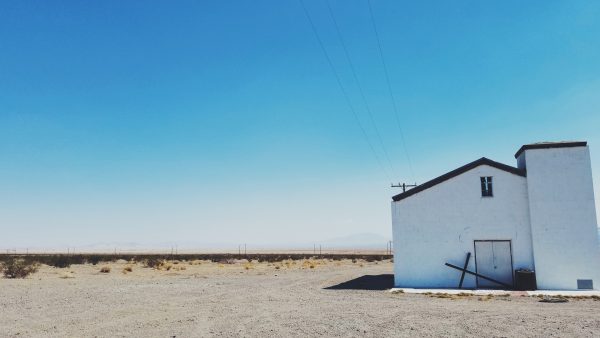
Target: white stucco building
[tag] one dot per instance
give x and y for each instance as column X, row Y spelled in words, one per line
column 539, row 216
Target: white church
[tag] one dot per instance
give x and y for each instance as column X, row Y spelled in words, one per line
column 539, row 216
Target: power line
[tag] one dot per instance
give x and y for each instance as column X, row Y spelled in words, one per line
column 389, row 86
column 360, row 89
column 342, row 89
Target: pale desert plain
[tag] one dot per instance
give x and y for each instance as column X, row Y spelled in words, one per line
column 304, row 298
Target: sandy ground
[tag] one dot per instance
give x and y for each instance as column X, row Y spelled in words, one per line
column 258, row 300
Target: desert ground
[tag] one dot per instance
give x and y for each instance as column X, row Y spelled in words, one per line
column 315, row 298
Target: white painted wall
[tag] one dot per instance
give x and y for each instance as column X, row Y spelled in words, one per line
column 439, row 225
column 563, row 216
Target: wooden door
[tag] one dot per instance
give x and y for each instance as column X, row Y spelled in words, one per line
column 493, row 259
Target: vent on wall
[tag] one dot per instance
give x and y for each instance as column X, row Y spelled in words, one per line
column 585, row 284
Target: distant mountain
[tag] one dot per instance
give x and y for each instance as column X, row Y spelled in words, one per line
column 359, row 241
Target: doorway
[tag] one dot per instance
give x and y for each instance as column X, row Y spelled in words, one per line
column 493, row 259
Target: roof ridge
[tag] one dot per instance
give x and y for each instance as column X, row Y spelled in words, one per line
column 458, row 171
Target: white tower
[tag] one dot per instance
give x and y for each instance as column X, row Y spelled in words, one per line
column 562, row 214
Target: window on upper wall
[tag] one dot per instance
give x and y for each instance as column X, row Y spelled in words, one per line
column 486, row 186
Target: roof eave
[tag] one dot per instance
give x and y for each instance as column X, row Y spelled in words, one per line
column 550, row 145
column 459, row 171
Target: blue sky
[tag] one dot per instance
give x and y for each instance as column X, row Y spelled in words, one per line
column 222, row 122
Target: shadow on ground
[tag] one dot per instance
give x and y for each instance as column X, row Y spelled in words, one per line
column 366, row 282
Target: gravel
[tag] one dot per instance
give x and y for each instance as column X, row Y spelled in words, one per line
column 257, row 300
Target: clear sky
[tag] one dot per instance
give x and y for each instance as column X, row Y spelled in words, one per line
column 221, row 121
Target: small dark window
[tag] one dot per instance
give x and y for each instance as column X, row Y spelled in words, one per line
column 486, row 186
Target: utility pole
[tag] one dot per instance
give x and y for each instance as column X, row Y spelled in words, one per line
column 404, row 186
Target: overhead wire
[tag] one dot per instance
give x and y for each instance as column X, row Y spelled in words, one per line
column 341, row 86
column 359, row 86
column 391, row 92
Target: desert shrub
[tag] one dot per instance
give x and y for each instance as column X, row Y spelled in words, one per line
column 227, row 261
column 94, row 259
column 59, row 261
column 154, row 263
column 309, row 264
column 180, row 268
column 18, row 268
column 127, row 269
column 105, row 269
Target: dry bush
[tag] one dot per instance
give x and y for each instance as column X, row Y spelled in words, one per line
column 167, row 266
column 127, row 269
column 176, row 262
column 277, row 267
column 563, row 297
column 18, row 268
column 154, row 263
column 227, row 261
column 59, row 261
column 310, row 264
column 461, row 295
column 94, row 259
column 105, row 269
column 248, row 266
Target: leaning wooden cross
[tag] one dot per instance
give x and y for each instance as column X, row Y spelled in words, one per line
column 464, row 270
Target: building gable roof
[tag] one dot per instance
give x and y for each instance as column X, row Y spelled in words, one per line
column 456, row 172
